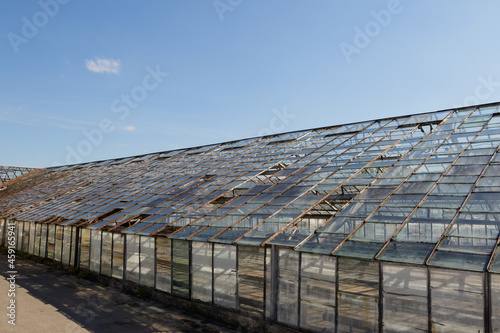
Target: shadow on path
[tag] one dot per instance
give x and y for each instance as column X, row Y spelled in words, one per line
column 98, row 308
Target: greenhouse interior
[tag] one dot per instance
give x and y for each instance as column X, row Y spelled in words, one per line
column 387, row 225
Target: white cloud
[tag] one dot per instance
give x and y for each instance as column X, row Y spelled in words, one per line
column 102, row 65
column 129, row 128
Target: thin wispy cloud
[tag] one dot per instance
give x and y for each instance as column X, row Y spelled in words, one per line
column 20, row 115
column 129, row 128
column 103, row 65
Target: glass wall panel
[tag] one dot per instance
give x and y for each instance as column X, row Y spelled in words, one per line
column 225, row 275
column 26, row 236
column 84, row 261
column 317, row 292
column 107, row 253
column 201, row 271
column 118, row 246
column 163, row 264
column 19, row 235
column 132, row 258
column 3, row 224
column 31, row 244
column 288, row 287
column 405, row 298
column 495, row 302
column 58, row 243
column 251, row 279
column 36, row 248
column 74, row 245
column 51, row 238
column 358, row 295
column 457, row 301
column 43, row 240
column 95, row 250
column 67, row 246
column 147, row 261
column 180, row 267
column 268, row 281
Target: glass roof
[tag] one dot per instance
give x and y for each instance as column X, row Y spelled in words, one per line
column 421, row 189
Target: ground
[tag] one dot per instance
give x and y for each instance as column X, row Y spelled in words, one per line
column 52, row 300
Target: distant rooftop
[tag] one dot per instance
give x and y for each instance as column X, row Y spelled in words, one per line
column 10, row 172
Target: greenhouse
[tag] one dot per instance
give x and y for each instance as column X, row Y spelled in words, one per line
column 388, row 225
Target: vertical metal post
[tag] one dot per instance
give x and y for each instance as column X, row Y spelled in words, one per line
column 78, row 251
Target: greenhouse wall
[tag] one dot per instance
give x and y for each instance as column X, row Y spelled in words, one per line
column 304, row 291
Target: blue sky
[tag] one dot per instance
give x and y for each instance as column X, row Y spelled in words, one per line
column 92, row 80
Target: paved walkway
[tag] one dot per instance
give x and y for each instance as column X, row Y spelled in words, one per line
column 50, row 300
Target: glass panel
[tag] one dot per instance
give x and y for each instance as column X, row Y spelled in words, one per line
column 51, row 238
column 180, row 268
column 201, row 271
column 74, row 246
column 163, row 264
column 132, row 266
column 407, row 252
column 43, row 240
column 85, row 248
column 358, row 295
column 95, row 250
column 268, row 281
column 225, row 275
column 107, row 253
column 66, row 249
column 31, row 244
column 38, row 231
column 358, row 249
column 19, row 236
column 3, row 228
column 405, row 298
column 147, row 261
column 317, row 293
column 288, row 287
column 58, row 243
column 251, row 279
column 457, row 301
column 495, row 302
column 26, row 237
column 118, row 246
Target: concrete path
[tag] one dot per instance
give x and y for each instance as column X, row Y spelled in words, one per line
column 50, row 300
